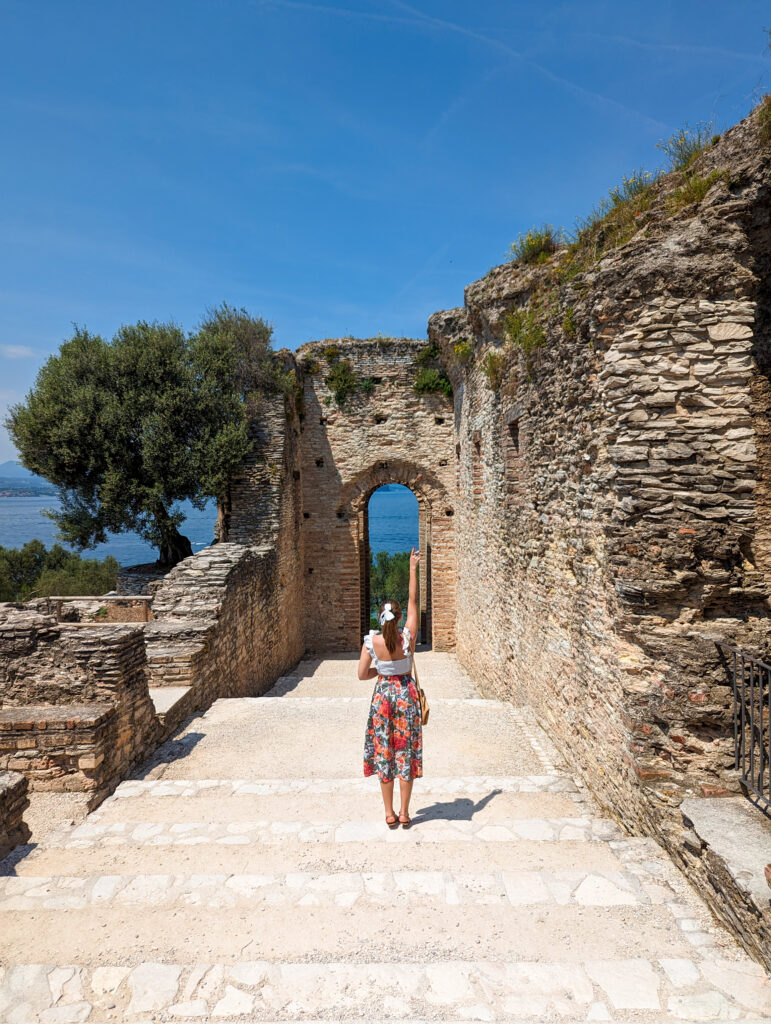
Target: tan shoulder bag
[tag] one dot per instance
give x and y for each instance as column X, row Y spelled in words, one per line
column 424, row 708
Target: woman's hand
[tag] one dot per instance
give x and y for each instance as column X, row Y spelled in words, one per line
column 414, row 558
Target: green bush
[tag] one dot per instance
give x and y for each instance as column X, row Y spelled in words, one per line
column 636, row 184
column 331, row 353
column 493, row 367
column 569, row 322
column 367, row 385
column 429, row 380
column 536, row 245
column 389, row 579
column 524, row 330
column 428, row 354
column 311, row 365
column 682, row 148
column 32, row 571
column 764, row 118
column 342, row 381
column 693, row 189
column 463, row 350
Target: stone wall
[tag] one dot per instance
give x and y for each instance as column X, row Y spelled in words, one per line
column 613, row 490
column 13, row 804
column 75, row 711
column 389, row 435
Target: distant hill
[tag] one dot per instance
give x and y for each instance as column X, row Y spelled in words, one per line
column 15, row 471
column 14, row 477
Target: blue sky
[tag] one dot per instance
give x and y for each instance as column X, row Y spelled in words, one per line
column 337, row 168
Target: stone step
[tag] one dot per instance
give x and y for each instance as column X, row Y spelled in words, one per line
column 291, row 833
column 645, row 990
column 260, row 930
column 344, row 888
column 213, row 806
column 476, row 785
column 109, row 858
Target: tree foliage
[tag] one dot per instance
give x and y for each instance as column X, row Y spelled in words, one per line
column 126, row 429
column 32, row 571
column 389, row 580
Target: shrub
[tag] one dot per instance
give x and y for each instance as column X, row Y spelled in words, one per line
column 311, row 365
column 569, row 322
column 682, row 148
column 32, row 571
column 367, row 385
column 636, row 184
column 428, row 354
column 764, row 118
column 536, row 245
column 331, row 353
column 463, row 350
column 693, row 189
column 384, row 340
column 429, row 380
column 342, row 381
column 493, row 367
column 524, row 330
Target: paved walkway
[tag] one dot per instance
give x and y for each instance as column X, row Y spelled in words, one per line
column 249, row 875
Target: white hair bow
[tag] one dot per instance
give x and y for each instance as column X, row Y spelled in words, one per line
column 386, row 615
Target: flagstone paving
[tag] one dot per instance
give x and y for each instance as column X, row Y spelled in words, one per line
column 248, row 875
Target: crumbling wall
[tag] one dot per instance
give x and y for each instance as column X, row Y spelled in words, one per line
column 13, row 804
column 612, row 508
column 75, row 711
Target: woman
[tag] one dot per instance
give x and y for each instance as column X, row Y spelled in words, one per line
column 393, row 744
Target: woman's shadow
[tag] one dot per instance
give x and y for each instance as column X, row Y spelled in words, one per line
column 461, row 809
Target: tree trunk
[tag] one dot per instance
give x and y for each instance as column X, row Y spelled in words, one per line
column 174, row 548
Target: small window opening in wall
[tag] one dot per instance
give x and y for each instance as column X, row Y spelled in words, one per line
column 310, row 572
column 443, row 462
column 380, row 418
column 457, row 451
column 439, row 420
column 306, row 515
column 341, row 515
column 322, row 421
column 296, row 474
column 319, row 462
column 514, row 436
column 449, row 512
column 376, row 380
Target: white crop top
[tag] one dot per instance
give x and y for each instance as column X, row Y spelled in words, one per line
column 400, row 667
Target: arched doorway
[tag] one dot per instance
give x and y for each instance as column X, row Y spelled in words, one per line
column 436, row 538
column 392, row 525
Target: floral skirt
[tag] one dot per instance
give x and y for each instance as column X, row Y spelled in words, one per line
column 393, row 744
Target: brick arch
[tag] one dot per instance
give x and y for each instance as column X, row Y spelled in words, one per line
column 436, row 539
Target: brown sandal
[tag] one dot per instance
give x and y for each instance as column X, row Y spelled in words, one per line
column 404, row 824
column 392, row 824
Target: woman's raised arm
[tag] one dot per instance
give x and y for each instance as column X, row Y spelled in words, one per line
column 412, row 603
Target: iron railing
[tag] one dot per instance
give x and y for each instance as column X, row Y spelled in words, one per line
column 751, row 679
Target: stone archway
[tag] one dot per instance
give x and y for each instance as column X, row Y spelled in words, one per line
column 436, row 539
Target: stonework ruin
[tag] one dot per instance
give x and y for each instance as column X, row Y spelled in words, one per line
column 595, row 517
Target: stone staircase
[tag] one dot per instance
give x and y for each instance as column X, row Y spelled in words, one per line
column 249, row 876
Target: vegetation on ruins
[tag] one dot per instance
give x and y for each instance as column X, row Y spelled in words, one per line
column 331, row 353
column 524, row 329
column 430, row 377
column 463, row 350
column 569, row 322
column 33, row 571
column 537, row 244
column 127, row 428
column 682, row 148
column 493, row 367
column 764, row 118
column 389, row 578
column 693, row 189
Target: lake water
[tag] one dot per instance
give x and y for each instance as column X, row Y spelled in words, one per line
column 393, row 526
